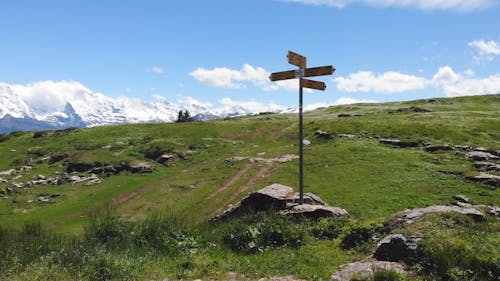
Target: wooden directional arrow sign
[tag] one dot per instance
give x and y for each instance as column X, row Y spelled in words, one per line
column 296, row 59
column 311, row 84
column 284, row 75
column 319, row 71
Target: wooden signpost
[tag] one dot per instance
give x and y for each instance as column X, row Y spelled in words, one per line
column 301, row 62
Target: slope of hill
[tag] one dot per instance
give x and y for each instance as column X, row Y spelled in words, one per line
column 189, row 171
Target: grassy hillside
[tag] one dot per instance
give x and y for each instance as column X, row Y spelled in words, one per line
column 372, row 181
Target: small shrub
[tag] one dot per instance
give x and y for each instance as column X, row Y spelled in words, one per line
column 360, row 237
column 154, row 152
column 388, row 275
column 328, row 228
column 258, row 232
column 4, row 137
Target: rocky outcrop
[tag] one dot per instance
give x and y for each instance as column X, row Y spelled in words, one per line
column 365, row 268
column 436, row 148
column 323, row 135
column 481, row 156
column 314, row 211
column 485, row 178
column 282, row 199
column 399, row 143
column 397, row 247
column 106, row 168
column 410, row 215
column 487, row 166
column 280, row 159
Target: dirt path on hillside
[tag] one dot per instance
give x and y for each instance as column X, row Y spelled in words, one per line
column 261, row 174
column 232, row 180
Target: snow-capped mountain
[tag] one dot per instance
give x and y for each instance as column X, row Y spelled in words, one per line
column 57, row 105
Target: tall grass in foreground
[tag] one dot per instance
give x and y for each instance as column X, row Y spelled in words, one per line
column 258, row 245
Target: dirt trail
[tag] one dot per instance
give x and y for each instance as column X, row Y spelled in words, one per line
column 232, row 180
column 261, row 174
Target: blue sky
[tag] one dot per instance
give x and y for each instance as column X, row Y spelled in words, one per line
column 220, row 52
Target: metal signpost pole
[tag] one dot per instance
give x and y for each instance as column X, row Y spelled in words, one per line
column 303, row 71
column 301, row 148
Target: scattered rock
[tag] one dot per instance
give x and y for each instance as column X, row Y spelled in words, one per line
column 461, row 198
column 347, row 136
column 410, row 109
column 486, row 166
column 314, row 211
column 343, row 115
column 2, row 180
column 81, row 167
column 107, row 147
column 463, row 147
column 485, row 178
column 399, row 143
column 235, row 159
column 306, row 142
column 93, row 181
column 43, row 199
column 495, row 211
column 397, row 247
column 261, row 153
column 480, row 156
column 365, row 268
column 409, row 216
column 57, row 157
column 164, row 158
column 441, row 147
column 323, row 135
column 280, row 159
column 137, row 167
column 8, row 172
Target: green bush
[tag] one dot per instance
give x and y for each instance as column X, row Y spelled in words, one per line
column 389, row 275
column 328, row 228
column 258, row 232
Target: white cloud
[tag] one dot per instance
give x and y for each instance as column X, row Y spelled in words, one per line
column 454, row 84
column 192, row 101
column 388, row 82
column 450, row 82
column 50, row 96
column 486, row 50
column 157, row 70
column 224, row 77
column 457, row 5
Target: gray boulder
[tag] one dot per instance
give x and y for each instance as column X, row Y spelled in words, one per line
column 485, row 178
column 365, row 268
column 480, row 156
column 397, row 247
column 323, row 135
column 461, row 198
column 409, row 216
column 435, row 148
column 314, row 211
column 282, row 199
column 486, row 166
column 399, row 143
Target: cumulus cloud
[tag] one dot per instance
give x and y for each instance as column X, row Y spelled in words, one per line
column 50, row 96
column 455, row 84
column 448, row 80
column 388, row 82
column 192, row 101
column 486, row 50
column 457, row 5
column 223, row 77
column 157, row 70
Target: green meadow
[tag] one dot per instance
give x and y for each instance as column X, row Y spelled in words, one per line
column 153, row 226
